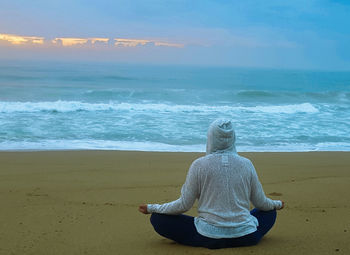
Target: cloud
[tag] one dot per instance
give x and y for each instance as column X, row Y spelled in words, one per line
column 69, row 41
column 137, row 42
column 100, row 40
column 130, row 42
column 18, row 39
column 176, row 45
column 81, row 41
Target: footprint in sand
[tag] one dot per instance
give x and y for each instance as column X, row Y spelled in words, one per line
column 30, row 194
column 275, row 194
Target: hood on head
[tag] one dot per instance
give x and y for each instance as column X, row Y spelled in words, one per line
column 221, row 137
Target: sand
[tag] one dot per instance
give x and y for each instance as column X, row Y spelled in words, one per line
column 85, row 202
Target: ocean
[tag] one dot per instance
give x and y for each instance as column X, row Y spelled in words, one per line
column 108, row 106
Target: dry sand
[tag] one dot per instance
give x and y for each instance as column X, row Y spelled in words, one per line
column 85, row 202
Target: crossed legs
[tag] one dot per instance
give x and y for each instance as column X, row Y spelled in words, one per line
column 181, row 229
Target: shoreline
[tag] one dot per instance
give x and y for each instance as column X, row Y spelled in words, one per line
column 85, row 202
column 132, row 151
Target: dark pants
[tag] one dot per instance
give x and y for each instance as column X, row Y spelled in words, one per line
column 181, row 229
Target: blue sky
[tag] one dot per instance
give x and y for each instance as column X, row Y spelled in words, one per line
column 313, row 34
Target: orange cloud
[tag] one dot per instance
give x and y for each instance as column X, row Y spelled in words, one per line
column 75, row 41
column 18, row 39
column 69, row 41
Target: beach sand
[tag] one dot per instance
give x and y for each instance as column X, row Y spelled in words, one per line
column 85, row 202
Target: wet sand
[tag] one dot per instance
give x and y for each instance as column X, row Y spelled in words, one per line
column 85, row 202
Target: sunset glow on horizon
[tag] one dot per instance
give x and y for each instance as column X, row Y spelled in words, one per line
column 18, row 39
column 13, row 39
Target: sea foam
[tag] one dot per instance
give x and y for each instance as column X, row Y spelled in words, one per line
column 72, row 106
column 161, row 147
column 98, row 145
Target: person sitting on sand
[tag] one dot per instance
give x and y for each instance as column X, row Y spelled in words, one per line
column 224, row 184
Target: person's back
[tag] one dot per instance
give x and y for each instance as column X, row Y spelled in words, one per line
column 227, row 184
column 225, row 181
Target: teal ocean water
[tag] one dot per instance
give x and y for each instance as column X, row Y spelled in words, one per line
column 50, row 106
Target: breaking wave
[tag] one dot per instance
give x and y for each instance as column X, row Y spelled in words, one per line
column 73, row 106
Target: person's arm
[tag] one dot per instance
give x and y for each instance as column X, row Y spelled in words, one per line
column 257, row 195
column 189, row 193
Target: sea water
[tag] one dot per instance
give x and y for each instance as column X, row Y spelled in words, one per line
column 108, row 106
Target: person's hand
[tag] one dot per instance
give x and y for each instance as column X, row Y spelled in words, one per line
column 143, row 209
column 282, row 205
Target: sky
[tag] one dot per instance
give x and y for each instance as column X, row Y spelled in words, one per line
column 298, row 34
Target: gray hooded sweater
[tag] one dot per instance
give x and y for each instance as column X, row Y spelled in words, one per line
column 224, row 184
